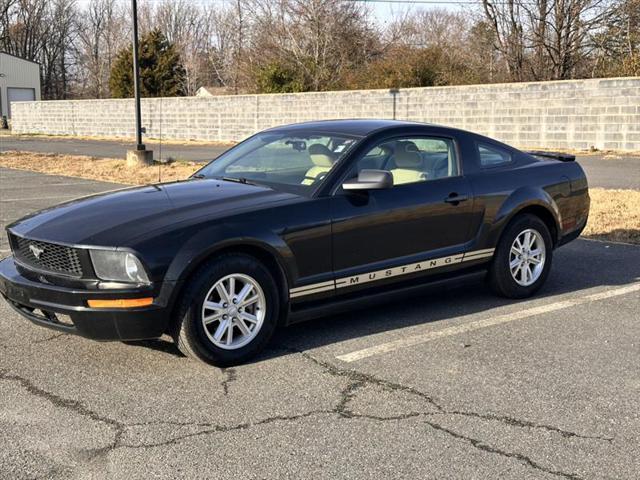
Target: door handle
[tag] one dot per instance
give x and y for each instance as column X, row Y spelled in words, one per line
column 455, row 199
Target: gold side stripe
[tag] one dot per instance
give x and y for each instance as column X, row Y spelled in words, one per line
column 476, row 256
column 312, row 286
column 312, row 291
column 478, row 252
column 390, row 272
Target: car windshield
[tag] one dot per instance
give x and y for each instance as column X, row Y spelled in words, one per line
column 297, row 161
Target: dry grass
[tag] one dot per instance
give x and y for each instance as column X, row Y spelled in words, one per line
column 615, row 214
column 108, row 170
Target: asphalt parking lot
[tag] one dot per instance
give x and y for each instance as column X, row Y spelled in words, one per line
column 455, row 383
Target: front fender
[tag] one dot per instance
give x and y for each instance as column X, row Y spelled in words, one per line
column 206, row 241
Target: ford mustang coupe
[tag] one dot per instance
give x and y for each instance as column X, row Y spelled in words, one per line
column 293, row 223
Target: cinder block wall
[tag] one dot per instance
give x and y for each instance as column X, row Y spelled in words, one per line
column 603, row 113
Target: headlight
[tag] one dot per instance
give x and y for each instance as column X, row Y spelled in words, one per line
column 118, row 266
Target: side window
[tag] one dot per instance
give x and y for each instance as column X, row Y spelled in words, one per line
column 412, row 160
column 491, row 156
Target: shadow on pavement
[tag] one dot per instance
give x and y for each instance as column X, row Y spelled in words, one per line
column 578, row 266
column 159, row 345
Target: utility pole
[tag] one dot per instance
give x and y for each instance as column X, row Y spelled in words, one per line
column 140, row 154
column 136, row 76
column 394, row 92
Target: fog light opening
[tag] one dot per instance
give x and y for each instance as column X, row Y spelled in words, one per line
column 64, row 319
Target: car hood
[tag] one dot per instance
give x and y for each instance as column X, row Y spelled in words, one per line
column 112, row 218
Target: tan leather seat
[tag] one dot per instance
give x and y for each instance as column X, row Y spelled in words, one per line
column 322, row 158
column 408, row 164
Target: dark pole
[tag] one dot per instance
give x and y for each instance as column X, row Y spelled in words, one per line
column 136, row 76
column 394, row 92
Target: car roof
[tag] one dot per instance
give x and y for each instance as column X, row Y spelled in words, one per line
column 364, row 127
column 357, row 127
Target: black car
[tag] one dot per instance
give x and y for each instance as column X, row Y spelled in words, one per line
column 294, row 223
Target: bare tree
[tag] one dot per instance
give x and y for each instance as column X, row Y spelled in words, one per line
column 42, row 31
column 221, row 50
column 545, row 39
column 102, row 32
column 24, row 28
column 5, row 9
column 505, row 17
column 57, row 52
column 319, row 39
column 568, row 32
column 184, row 24
column 617, row 46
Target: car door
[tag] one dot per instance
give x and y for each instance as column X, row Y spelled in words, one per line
column 383, row 235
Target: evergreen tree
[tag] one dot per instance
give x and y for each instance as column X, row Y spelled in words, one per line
column 161, row 71
column 279, row 78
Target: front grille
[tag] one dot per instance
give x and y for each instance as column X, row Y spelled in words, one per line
column 48, row 256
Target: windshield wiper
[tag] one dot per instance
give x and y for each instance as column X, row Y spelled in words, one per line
column 236, row 180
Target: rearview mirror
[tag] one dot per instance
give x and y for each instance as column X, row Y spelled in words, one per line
column 370, row 180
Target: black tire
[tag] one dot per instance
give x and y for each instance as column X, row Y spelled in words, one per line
column 188, row 329
column 500, row 279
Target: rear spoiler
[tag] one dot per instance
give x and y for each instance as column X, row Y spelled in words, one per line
column 563, row 157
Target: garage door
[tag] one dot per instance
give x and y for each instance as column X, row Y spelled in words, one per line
column 15, row 94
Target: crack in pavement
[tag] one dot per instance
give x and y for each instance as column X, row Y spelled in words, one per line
column 19, row 346
column 48, row 339
column 214, row 428
column 514, row 422
column 355, row 381
column 230, row 377
column 480, row 445
column 358, row 379
column 69, row 404
column 339, row 409
column 509, row 421
column 346, row 395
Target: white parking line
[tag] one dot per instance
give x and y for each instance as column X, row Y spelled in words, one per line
column 487, row 322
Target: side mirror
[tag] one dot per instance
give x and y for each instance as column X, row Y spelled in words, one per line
column 370, row 180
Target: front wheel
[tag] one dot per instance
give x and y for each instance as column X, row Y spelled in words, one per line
column 227, row 312
column 522, row 260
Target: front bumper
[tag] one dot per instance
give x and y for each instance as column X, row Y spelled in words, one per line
column 43, row 304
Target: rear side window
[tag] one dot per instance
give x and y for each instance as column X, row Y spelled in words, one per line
column 491, row 156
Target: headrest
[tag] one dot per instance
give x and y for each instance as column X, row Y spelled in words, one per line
column 407, row 155
column 320, row 155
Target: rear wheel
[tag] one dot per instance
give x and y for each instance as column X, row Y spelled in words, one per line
column 227, row 312
column 522, row 260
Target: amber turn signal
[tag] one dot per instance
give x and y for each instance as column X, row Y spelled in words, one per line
column 121, row 303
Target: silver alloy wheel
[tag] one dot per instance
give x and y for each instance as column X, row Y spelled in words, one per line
column 527, row 257
column 233, row 311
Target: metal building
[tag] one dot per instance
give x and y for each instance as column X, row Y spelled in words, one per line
column 19, row 81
